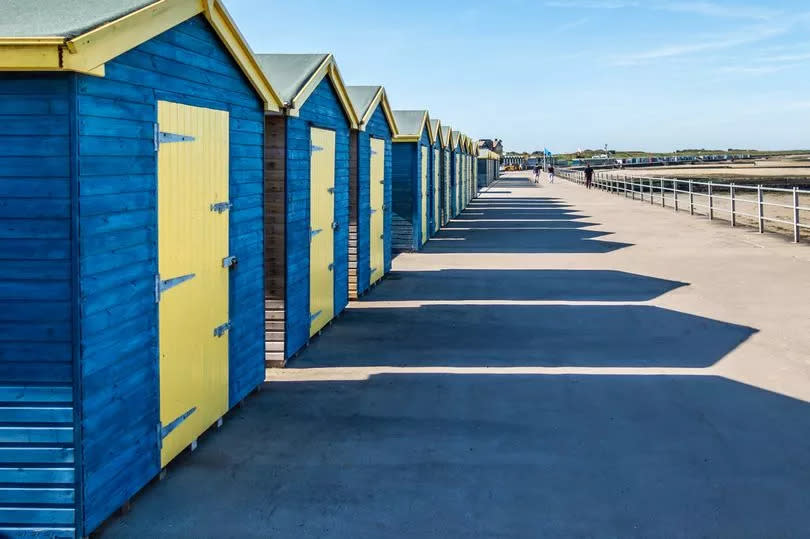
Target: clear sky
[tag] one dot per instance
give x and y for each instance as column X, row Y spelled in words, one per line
column 656, row 75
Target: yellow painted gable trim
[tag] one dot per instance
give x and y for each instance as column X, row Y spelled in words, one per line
column 98, row 46
column 425, row 124
column 89, row 52
column 389, row 113
column 327, row 68
column 234, row 41
column 439, row 135
column 363, row 121
column 380, row 99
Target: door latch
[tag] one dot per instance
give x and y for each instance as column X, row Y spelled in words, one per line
column 219, row 331
column 229, row 262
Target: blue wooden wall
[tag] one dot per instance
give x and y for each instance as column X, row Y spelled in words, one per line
column 118, row 248
column 454, row 202
column 323, row 110
column 377, row 127
column 435, row 165
column 37, row 456
column 447, row 192
column 407, row 193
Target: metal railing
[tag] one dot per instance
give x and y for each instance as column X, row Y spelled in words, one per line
column 778, row 209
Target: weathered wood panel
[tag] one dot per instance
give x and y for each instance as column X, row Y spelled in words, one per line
column 36, row 323
column 118, row 246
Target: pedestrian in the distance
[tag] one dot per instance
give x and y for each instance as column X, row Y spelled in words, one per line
column 588, row 176
column 536, row 173
column 551, row 174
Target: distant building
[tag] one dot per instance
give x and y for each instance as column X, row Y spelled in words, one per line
column 495, row 145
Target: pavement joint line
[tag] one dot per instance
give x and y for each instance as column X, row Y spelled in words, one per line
column 387, row 304
column 296, row 374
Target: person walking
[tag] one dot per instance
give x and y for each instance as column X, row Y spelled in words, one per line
column 536, row 173
column 588, row 176
column 551, row 174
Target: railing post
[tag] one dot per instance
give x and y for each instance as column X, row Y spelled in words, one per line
column 796, row 227
column 652, row 197
column 732, row 193
column 691, row 199
column 675, row 194
column 663, row 200
column 760, row 210
column 633, row 188
column 711, row 203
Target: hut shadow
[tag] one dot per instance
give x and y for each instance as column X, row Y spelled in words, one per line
column 524, row 225
column 523, row 237
column 476, row 455
column 520, row 285
column 495, row 335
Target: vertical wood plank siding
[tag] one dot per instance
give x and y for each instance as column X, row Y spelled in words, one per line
column 275, row 164
column 407, row 193
column 356, row 139
column 455, row 206
column 323, row 110
column 36, row 322
column 377, row 127
column 118, row 248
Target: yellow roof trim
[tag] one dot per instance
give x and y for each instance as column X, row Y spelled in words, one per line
column 418, row 136
column 327, row 68
column 381, row 99
column 439, row 135
column 388, row 111
column 89, row 52
column 237, row 45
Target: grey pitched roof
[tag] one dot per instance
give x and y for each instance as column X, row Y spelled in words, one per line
column 446, row 134
column 361, row 97
column 434, row 124
column 409, row 122
column 289, row 73
column 61, row 18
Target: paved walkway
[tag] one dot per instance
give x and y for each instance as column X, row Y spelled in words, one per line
column 556, row 363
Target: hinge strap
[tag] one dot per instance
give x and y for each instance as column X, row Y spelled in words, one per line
column 165, row 431
column 163, row 285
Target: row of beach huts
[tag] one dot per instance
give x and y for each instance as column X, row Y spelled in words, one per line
column 178, row 213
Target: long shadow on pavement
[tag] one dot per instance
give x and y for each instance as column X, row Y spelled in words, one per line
column 513, row 335
column 526, row 225
column 510, row 456
column 515, row 285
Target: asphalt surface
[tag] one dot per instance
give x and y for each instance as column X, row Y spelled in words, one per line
column 556, row 363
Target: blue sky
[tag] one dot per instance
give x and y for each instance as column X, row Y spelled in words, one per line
column 634, row 74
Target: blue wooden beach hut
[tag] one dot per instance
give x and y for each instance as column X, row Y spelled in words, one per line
column 437, row 176
column 447, row 170
column 487, row 167
column 411, row 179
column 306, row 183
column 465, row 172
column 130, row 172
column 455, row 173
column 370, row 188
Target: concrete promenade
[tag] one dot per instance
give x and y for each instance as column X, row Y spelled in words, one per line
column 557, row 362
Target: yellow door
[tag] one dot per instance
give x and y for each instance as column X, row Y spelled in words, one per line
column 321, row 218
column 377, row 168
column 436, row 197
column 424, row 198
column 446, row 187
column 192, row 285
column 457, row 194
